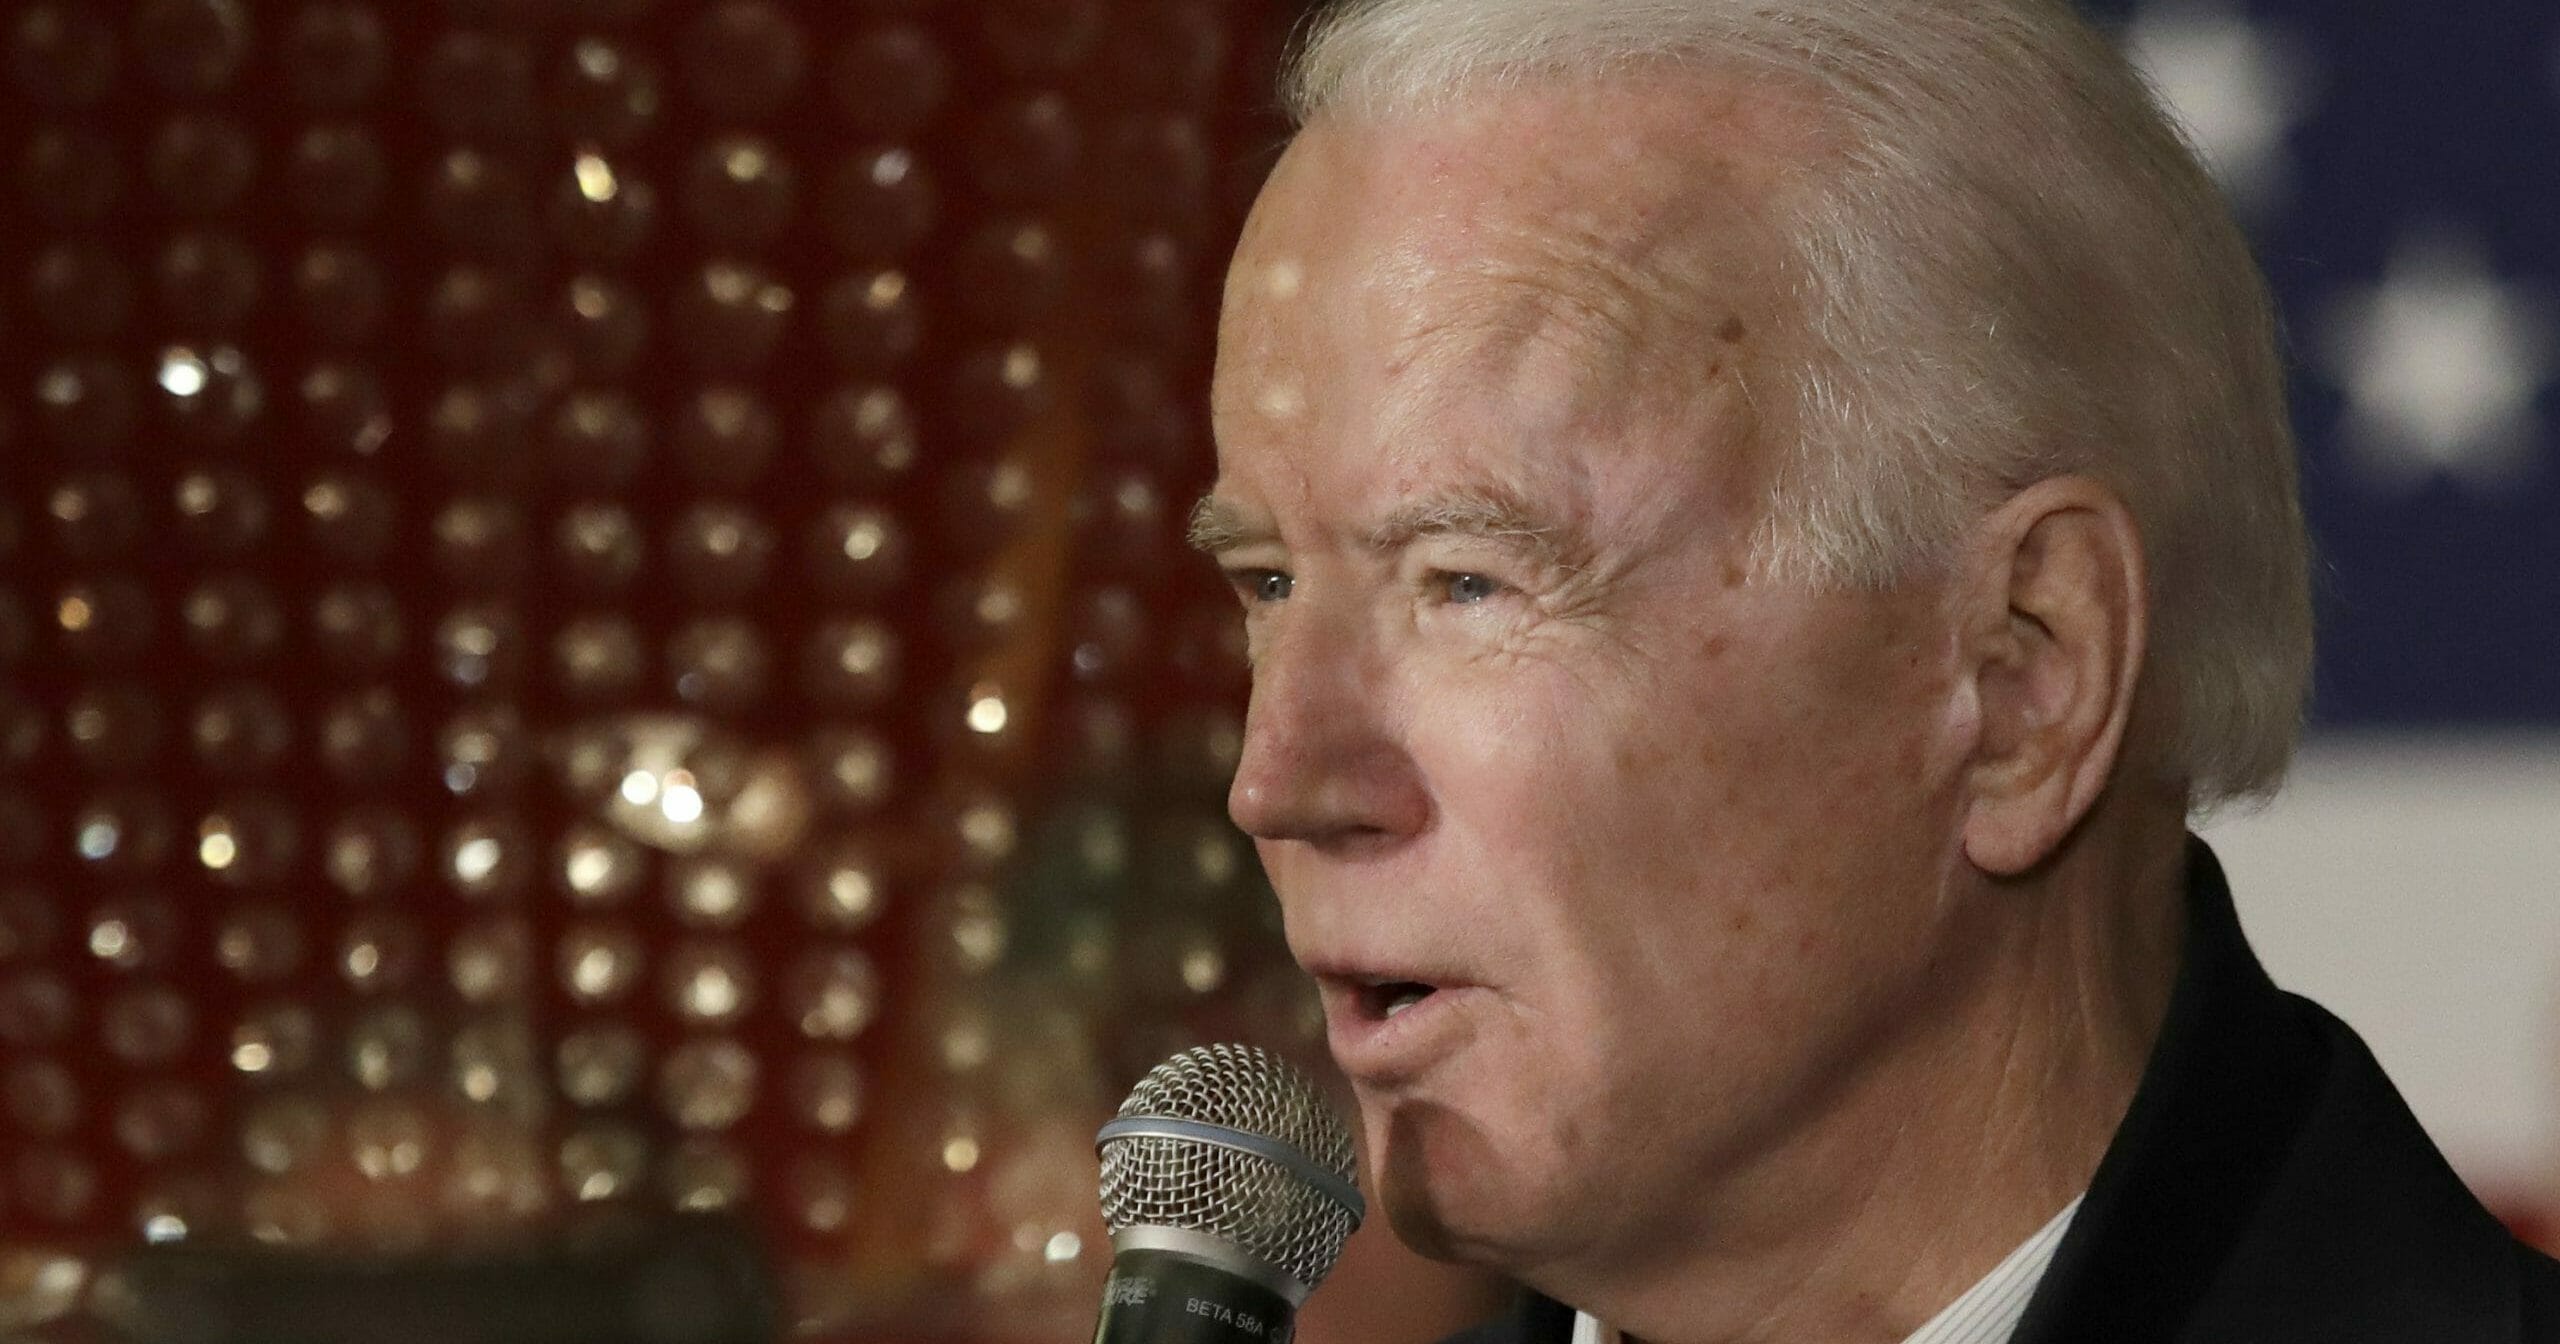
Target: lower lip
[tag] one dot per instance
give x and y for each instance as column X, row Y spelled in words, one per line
column 1387, row 1049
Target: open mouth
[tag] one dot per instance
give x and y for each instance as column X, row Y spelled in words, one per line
column 1390, row 997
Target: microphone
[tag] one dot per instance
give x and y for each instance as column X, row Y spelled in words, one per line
column 1227, row 1186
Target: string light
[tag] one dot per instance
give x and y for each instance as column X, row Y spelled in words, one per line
column 532, row 739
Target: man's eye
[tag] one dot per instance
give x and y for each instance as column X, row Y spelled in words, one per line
column 1468, row 589
column 1264, row 585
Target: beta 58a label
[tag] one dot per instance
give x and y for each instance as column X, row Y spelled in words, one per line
column 1243, row 1323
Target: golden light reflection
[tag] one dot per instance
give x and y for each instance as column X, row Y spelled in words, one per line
column 713, row 993
column 198, row 495
column 597, row 60
column 89, row 722
column 999, row 604
column 99, row 840
column 589, row 869
column 595, row 178
column 980, row 935
column 680, row 798
column 1215, row 859
column 327, row 500
column 851, row 894
column 863, row 656
column 1203, row 970
column 864, row 539
column 474, row 860
column 967, row 1045
column 596, row 973
column 1011, row 487
column 988, row 828
column 987, row 712
column 711, row 893
column 183, row 372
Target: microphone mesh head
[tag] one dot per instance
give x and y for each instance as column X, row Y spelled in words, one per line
column 1247, row 1201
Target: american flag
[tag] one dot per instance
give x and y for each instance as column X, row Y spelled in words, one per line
column 2399, row 166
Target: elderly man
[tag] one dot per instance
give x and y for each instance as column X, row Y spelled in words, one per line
column 1759, row 521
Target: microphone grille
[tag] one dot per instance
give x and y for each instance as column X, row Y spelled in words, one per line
column 1296, row 1221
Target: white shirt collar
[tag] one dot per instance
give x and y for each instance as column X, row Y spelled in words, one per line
column 1987, row 1313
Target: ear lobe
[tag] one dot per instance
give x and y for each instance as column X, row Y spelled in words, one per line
column 2062, row 599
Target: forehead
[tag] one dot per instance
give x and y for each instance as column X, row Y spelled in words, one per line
column 1545, row 263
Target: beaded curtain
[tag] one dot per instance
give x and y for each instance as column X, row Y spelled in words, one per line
column 593, row 627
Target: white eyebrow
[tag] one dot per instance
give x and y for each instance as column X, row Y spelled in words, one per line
column 1491, row 513
column 1220, row 525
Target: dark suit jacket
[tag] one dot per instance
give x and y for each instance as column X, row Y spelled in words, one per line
column 2267, row 1186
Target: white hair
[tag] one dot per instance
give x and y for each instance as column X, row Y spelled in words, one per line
column 2013, row 268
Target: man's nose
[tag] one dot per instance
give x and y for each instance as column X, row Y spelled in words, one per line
column 1324, row 759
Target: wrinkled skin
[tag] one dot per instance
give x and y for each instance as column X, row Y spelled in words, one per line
column 1683, row 851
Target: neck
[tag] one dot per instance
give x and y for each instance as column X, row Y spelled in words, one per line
column 1964, row 1131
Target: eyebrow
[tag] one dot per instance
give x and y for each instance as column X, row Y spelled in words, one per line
column 1491, row 513
column 1219, row 526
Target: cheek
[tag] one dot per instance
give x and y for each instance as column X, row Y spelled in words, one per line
column 1727, row 822
column 1591, row 840
column 1611, row 775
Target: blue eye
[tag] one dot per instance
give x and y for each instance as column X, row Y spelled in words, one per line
column 1468, row 589
column 1263, row 585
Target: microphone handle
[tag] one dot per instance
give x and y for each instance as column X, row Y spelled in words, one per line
column 1166, row 1297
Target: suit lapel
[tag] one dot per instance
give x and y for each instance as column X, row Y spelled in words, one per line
column 1533, row 1319
column 2268, row 1184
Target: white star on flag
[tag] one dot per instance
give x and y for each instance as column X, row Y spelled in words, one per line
column 2441, row 363
column 2235, row 86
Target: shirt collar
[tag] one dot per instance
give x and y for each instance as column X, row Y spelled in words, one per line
column 1987, row 1313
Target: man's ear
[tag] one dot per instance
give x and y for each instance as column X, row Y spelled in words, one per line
column 2057, row 615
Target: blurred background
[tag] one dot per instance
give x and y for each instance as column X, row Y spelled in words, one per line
column 605, row 732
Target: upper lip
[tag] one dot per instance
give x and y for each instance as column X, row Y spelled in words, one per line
column 1361, row 973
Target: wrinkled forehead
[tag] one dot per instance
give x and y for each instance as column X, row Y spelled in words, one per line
column 1562, row 244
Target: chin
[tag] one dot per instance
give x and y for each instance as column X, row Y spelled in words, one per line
column 1455, row 1191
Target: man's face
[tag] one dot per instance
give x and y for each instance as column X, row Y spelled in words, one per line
column 1660, row 839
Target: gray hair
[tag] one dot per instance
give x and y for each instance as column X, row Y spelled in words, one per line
column 2014, row 269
